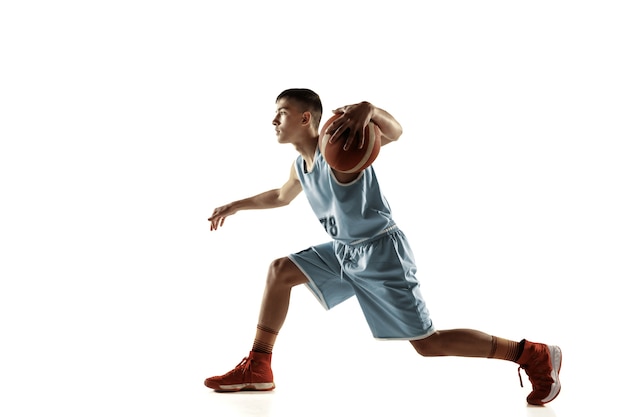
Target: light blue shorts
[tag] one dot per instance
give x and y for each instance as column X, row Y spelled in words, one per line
column 380, row 272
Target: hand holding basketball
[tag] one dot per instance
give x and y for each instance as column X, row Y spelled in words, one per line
column 342, row 152
column 353, row 121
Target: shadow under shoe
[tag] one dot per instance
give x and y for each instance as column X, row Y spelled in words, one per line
column 254, row 373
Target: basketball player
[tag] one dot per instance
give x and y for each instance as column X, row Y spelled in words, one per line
column 367, row 256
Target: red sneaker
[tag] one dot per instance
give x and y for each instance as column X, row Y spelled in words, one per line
column 542, row 364
column 253, row 373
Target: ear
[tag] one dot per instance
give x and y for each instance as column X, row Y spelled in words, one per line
column 306, row 117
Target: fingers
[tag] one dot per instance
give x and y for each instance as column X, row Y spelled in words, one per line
column 362, row 138
column 346, row 129
column 336, row 128
column 351, row 136
column 349, row 126
column 216, row 222
column 218, row 217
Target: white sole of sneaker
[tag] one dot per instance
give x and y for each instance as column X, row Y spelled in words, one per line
column 556, row 358
column 257, row 386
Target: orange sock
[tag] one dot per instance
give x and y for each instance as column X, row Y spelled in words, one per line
column 507, row 350
column 264, row 339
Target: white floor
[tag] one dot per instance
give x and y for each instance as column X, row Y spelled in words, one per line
column 146, row 369
column 405, row 385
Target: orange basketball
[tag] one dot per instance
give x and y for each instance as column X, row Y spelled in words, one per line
column 354, row 159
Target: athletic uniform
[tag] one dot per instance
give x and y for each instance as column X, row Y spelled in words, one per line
column 368, row 257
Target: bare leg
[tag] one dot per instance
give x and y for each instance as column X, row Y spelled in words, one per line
column 282, row 276
column 254, row 373
column 467, row 343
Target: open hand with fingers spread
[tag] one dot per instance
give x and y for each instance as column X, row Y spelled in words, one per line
column 353, row 120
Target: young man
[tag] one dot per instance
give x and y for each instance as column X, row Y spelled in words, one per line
column 368, row 256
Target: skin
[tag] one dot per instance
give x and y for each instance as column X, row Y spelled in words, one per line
column 295, row 127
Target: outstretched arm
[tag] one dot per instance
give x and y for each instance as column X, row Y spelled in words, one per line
column 355, row 117
column 278, row 197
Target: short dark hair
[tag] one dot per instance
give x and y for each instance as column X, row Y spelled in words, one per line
column 308, row 100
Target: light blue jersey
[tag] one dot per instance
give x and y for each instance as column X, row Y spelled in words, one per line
column 350, row 212
column 368, row 256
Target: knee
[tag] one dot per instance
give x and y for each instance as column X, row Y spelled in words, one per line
column 427, row 346
column 282, row 272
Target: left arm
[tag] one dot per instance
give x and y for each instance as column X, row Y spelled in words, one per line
column 355, row 117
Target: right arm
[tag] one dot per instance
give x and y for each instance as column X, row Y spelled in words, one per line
column 278, row 197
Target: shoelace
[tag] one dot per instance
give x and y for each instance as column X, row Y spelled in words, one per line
column 243, row 366
column 519, row 374
column 535, row 377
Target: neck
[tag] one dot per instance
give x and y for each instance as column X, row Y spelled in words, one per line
column 307, row 150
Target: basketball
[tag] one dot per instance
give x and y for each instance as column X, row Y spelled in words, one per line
column 354, row 159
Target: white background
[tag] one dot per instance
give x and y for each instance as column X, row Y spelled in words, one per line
column 124, row 123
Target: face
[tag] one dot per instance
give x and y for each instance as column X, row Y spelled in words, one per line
column 288, row 121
